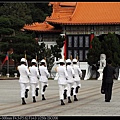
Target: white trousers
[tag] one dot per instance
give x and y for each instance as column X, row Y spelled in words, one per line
column 76, row 83
column 42, row 85
column 69, row 86
column 61, row 91
column 33, row 88
column 23, row 87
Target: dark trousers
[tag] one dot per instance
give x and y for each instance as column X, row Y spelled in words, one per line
column 108, row 91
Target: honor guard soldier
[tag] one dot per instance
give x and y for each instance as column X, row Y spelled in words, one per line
column 23, row 79
column 70, row 81
column 44, row 75
column 78, row 76
column 62, row 80
column 34, row 79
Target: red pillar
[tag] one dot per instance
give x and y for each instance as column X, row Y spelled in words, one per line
column 91, row 38
column 65, row 49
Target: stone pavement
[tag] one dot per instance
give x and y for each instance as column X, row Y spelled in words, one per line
column 90, row 101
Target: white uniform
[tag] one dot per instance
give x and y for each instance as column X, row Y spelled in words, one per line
column 34, row 76
column 70, row 81
column 78, row 75
column 62, row 82
column 24, row 78
column 44, row 75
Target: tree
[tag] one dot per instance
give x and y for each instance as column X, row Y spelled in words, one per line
column 21, row 44
column 56, row 49
column 39, row 11
column 49, row 59
column 16, row 10
column 93, row 55
column 46, row 53
column 13, row 16
column 110, row 46
column 5, row 27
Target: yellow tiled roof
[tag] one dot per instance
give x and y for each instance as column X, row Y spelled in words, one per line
column 41, row 27
column 87, row 13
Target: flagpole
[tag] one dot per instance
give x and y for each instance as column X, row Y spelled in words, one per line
column 8, row 65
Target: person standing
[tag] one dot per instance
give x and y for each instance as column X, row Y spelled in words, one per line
column 108, row 76
column 62, row 79
column 44, row 75
column 70, row 81
column 34, row 79
column 78, row 76
column 23, row 79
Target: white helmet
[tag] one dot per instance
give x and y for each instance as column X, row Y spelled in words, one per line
column 43, row 61
column 34, row 60
column 68, row 61
column 61, row 60
column 74, row 60
column 23, row 60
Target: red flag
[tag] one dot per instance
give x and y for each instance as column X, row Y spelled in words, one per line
column 6, row 58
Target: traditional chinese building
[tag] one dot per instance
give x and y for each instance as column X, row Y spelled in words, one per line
column 80, row 22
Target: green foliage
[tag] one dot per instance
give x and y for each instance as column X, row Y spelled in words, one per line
column 4, row 22
column 94, row 53
column 17, row 10
column 60, row 41
column 6, row 31
column 110, row 46
column 42, row 51
column 5, row 25
column 56, row 49
column 49, row 59
column 13, row 16
column 38, row 15
column 16, row 23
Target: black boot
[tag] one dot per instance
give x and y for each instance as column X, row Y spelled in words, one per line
column 34, row 100
column 44, row 88
column 65, row 94
column 23, row 101
column 26, row 93
column 62, row 103
column 43, row 98
column 75, row 98
column 36, row 91
column 69, row 100
column 77, row 89
column 71, row 92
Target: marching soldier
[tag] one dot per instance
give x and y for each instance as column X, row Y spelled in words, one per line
column 23, row 79
column 78, row 76
column 62, row 80
column 44, row 75
column 70, row 80
column 34, row 79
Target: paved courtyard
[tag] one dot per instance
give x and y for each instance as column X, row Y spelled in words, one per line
column 90, row 101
